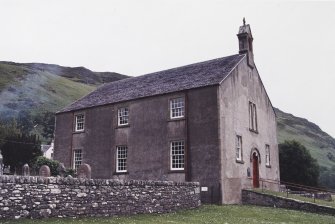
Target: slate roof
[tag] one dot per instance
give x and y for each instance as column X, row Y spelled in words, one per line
column 196, row 75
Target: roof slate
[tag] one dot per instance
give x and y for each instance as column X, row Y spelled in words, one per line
column 196, row 75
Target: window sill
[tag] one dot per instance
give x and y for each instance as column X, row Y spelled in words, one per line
column 121, row 173
column 268, row 166
column 78, row 132
column 254, row 131
column 176, row 119
column 122, row 126
column 176, row 171
column 240, row 161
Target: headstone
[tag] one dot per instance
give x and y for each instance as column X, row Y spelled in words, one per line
column 26, row 170
column 84, row 171
column 6, row 170
column 61, row 169
column 44, row 171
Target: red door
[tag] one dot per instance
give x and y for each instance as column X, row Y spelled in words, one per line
column 255, row 172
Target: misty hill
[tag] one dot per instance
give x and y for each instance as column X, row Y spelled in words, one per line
column 39, row 87
column 319, row 143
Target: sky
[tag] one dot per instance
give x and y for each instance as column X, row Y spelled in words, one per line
column 294, row 45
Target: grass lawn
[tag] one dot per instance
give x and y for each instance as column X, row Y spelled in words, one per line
column 228, row 214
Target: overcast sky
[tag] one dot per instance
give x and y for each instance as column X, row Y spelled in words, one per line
column 294, row 44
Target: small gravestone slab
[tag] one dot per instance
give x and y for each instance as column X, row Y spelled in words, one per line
column 26, row 170
column 61, row 169
column 84, row 171
column 44, row 171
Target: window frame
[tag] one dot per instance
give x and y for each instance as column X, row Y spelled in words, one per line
column 119, row 116
column 239, row 153
column 75, row 165
column 182, row 108
column 253, row 126
column 267, row 155
column 117, row 162
column 76, row 123
column 172, row 154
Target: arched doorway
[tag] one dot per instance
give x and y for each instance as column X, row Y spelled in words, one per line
column 255, row 170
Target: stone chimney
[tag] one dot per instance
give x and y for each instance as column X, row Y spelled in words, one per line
column 245, row 42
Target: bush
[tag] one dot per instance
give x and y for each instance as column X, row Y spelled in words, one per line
column 52, row 164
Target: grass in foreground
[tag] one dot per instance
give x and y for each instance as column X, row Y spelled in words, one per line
column 228, row 214
column 297, row 197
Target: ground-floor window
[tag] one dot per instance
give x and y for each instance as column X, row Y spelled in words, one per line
column 177, row 155
column 121, row 159
column 267, row 155
column 77, row 158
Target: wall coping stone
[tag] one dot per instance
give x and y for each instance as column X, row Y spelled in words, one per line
column 288, row 203
column 89, row 182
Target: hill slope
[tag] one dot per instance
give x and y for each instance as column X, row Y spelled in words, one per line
column 320, row 144
column 42, row 87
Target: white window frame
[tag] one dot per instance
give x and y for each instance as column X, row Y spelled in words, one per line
column 267, row 155
column 121, row 157
column 123, row 116
column 176, row 158
column 78, row 122
column 177, row 106
column 252, row 117
column 77, row 159
column 239, row 148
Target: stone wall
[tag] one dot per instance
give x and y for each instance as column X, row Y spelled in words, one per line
column 38, row 197
column 255, row 198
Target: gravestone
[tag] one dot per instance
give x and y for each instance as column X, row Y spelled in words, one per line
column 84, row 171
column 61, row 169
column 6, row 170
column 44, row 171
column 26, row 170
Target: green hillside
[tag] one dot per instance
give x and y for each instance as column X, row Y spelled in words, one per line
column 320, row 144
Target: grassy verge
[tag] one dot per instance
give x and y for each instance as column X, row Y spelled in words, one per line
column 229, row 214
column 297, row 197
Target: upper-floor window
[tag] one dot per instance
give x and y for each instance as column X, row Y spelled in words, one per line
column 123, row 116
column 177, row 108
column 177, row 154
column 77, row 158
column 121, row 159
column 252, row 117
column 238, row 148
column 267, row 155
column 79, row 122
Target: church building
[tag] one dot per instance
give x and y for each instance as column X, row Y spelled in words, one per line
column 210, row 122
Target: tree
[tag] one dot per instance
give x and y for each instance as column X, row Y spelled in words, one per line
column 48, row 123
column 297, row 165
column 327, row 177
column 20, row 149
column 7, row 128
column 25, row 121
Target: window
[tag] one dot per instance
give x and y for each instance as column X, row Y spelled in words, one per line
column 177, row 108
column 77, row 158
column 121, row 159
column 80, row 120
column 252, row 117
column 238, row 148
column 123, row 116
column 177, row 155
column 267, row 155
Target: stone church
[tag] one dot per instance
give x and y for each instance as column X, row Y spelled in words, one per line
column 210, row 122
